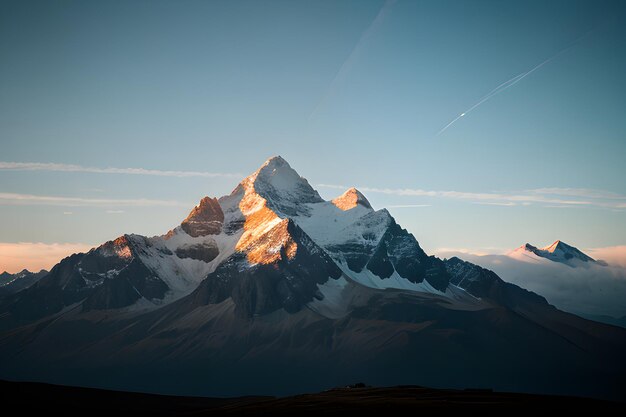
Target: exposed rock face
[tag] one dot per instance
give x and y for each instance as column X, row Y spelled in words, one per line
column 407, row 258
column 289, row 282
column 350, row 199
column 113, row 293
column 205, row 219
column 376, row 243
column 112, row 255
column 202, row 251
column 486, row 284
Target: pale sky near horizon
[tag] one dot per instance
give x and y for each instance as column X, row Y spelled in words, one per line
column 195, row 95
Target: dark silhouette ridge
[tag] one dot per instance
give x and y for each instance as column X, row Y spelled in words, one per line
column 357, row 398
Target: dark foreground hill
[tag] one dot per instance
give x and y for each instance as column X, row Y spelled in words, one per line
column 72, row 401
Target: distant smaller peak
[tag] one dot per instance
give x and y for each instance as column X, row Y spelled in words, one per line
column 350, row 199
column 558, row 251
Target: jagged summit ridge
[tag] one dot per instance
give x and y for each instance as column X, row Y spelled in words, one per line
column 12, row 283
column 23, row 272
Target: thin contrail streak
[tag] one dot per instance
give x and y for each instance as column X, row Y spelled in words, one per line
column 492, row 93
column 496, row 90
column 347, row 64
column 510, row 83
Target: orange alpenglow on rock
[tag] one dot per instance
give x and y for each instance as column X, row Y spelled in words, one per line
column 119, row 247
column 205, row 219
column 266, row 237
column 350, row 199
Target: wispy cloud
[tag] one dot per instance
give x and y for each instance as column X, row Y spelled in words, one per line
column 15, row 199
column 54, row 167
column 579, row 192
column 408, row 205
column 115, row 211
column 558, row 206
column 36, row 255
column 495, row 203
column 570, row 197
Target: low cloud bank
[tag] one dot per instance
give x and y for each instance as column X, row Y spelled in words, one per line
column 614, row 255
column 588, row 289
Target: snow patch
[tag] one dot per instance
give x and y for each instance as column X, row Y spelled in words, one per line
column 328, row 225
column 395, row 281
column 181, row 275
column 333, row 303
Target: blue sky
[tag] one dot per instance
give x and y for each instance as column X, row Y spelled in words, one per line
column 349, row 92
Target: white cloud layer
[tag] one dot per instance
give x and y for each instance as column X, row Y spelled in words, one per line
column 591, row 290
column 614, row 255
column 407, row 205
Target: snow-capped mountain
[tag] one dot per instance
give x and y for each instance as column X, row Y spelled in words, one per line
column 556, row 252
column 274, row 280
column 273, row 216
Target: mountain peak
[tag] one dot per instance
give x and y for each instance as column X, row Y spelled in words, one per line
column 281, row 186
column 350, row 199
column 276, row 161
